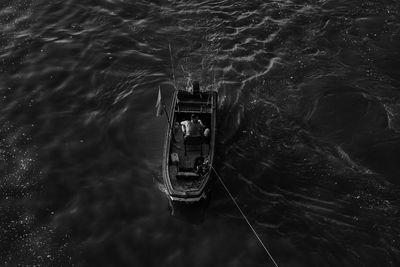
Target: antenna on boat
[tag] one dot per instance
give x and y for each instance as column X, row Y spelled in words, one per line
column 172, row 65
column 161, row 108
column 166, row 111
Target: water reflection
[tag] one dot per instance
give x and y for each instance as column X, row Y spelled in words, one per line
column 308, row 131
column 189, row 212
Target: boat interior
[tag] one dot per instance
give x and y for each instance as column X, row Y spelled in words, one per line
column 189, row 155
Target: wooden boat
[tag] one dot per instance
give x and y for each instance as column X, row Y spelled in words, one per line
column 187, row 162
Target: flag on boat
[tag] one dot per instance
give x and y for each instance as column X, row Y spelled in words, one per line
column 159, row 104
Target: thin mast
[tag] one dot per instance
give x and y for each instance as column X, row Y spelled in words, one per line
column 172, row 65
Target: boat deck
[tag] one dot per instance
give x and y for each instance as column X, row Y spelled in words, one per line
column 185, row 162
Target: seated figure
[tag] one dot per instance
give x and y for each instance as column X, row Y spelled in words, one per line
column 194, row 127
column 194, row 133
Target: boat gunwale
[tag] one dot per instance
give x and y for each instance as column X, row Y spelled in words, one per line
column 188, row 195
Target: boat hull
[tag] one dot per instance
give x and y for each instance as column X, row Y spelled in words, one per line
column 175, row 150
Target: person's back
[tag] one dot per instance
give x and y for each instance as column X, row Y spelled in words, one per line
column 193, row 127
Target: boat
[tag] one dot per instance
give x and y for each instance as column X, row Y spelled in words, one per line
column 188, row 160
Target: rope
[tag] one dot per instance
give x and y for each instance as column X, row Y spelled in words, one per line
column 244, row 216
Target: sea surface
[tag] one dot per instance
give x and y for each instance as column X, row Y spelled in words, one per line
column 308, row 131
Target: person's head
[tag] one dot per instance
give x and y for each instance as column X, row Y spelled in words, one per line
column 194, row 118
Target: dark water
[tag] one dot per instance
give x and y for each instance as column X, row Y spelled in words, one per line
column 309, row 131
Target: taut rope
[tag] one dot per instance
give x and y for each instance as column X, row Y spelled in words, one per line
column 244, row 216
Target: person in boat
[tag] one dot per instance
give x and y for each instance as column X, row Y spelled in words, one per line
column 193, row 127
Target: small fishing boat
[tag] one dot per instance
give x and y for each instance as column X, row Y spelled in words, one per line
column 187, row 159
